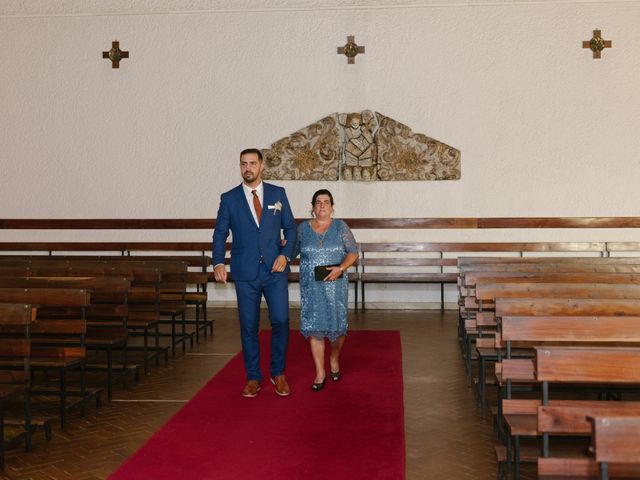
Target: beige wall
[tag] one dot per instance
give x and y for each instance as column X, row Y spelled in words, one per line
column 544, row 129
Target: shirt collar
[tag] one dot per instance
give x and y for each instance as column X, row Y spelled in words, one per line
column 248, row 189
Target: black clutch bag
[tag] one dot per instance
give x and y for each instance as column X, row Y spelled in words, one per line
column 321, row 271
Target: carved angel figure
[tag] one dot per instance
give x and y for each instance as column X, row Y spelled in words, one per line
column 359, row 150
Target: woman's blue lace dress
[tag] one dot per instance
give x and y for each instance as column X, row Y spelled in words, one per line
column 324, row 304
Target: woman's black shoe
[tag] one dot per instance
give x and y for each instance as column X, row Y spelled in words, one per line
column 335, row 376
column 316, row 387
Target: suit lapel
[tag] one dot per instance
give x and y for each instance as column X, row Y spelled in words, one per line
column 244, row 205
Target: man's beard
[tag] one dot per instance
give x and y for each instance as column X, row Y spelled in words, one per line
column 249, row 177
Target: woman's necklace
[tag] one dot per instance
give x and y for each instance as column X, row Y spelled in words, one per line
column 321, row 235
column 321, row 238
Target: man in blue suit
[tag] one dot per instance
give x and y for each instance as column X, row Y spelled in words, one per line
column 256, row 213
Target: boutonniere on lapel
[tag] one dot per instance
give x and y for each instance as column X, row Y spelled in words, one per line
column 276, row 207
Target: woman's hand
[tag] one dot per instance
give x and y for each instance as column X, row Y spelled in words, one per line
column 334, row 273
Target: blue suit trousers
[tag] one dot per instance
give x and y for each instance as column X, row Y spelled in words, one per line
column 275, row 289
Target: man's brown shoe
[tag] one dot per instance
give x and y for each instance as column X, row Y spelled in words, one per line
column 251, row 389
column 282, row 387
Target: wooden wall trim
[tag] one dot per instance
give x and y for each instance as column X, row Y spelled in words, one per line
column 108, row 224
column 355, row 223
column 126, row 247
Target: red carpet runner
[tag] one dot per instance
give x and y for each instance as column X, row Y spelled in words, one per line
column 353, row 429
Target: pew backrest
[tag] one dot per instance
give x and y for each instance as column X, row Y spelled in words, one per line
column 592, row 329
column 492, row 291
column 602, row 365
column 617, row 439
column 566, row 306
column 571, row 416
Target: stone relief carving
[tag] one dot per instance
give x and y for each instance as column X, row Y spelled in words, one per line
column 312, row 153
column 360, row 146
column 404, row 155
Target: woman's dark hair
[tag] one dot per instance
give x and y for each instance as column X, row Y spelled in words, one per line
column 322, row 191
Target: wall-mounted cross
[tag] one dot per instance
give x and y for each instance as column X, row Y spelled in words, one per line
column 351, row 49
column 115, row 54
column 596, row 44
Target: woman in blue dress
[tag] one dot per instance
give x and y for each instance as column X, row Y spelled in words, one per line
column 324, row 241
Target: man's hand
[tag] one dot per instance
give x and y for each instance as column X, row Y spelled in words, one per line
column 280, row 264
column 220, row 273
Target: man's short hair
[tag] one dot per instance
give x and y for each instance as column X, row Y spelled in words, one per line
column 252, row 150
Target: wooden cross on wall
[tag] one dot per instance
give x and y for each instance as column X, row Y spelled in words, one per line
column 115, row 54
column 596, row 44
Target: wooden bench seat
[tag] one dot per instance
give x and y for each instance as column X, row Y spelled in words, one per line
column 108, row 316
column 550, row 267
column 586, row 327
column 470, row 304
column 401, row 267
column 616, row 441
column 580, row 468
column 141, row 318
column 528, row 417
column 467, row 283
column 51, row 339
column 535, row 331
column 15, row 349
column 585, row 365
column 492, row 293
column 467, row 262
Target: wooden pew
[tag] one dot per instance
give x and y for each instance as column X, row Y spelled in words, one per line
column 522, row 311
column 561, row 418
column 568, row 276
column 604, row 265
column 566, row 307
column 587, row 366
column 563, row 270
column 469, row 303
column 475, row 278
column 576, row 321
column 466, row 261
column 15, row 351
column 144, row 314
column 106, row 316
column 470, row 273
column 199, row 278
column 173, row 282
column 534, row 331
column 172, row 300
column 419, row 268
column 616, row 441
column 57, row 344
column 487, row 293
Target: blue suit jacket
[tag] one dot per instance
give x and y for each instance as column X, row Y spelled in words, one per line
column 250, row 242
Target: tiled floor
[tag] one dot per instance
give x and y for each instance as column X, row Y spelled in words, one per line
column 445, row 436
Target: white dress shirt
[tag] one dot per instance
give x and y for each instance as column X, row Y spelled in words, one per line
column 249, row 196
